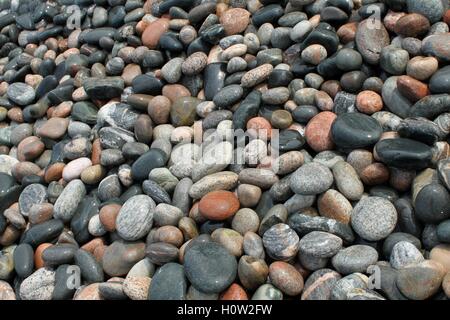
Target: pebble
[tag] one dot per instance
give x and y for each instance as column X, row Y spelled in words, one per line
column 318, row 131
column 281, row 242
column 119, row 257
column 168, row 283
column 347, row 180
column 267, row 292
column 311, row 178
column 356, row 258
column 209, row 267
column 135, row 217
column 38, row 286
column 420, row 281
column 218, row 205
column 319, row 284
column 404, row 254
column 355, row 130
column 68, row 201
column 252, row 272
column 373, row 218
column 21, row 93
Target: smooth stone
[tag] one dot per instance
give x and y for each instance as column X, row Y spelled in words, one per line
column 58, row 254
column 7, row 262
column 403, row 153
column 68, row 201
column 104, row 89
column 304, row 224
column 168, row 283
column 91, row 270
column 281, row 242
column 23, row 260
column 370, row 41
column 316, row 247
column 355, row 130
column 183, row 111
column 155, row 191
column 420, row 281
column 347, row 180
column 85, row 112
column 419, row 129
column 224, row 180
column 403, row 254
column 135, row 218
column 269, row 13
column 214, row 79
column 355, row 258
column 440, row 81
column 43, row 232
column 63, row 276
column 394, row 100
column 141, row 168
column 21, row 93
column 432, row 204
column 289, row 140
column 344, row 286
column 117, row 115
column 394, row 60
column 319, row 284
column 310, row 179
column 119, row 257
column 79, row 223
column 38, row 286
column 227, row 96
column 397, row 237
column 31, row 195
column 431, row 106
column 209, row 267
column 373, row 218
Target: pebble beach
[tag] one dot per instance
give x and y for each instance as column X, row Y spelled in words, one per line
column 224, row 150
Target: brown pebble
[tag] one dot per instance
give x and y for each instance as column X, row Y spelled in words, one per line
column 175, row 91
column 412, row 25
column 318, row 131
column 108, row 215
column 40, row 213
column 96, row 152
column 154, row 31
column 259, row 127
column 234, row 292
column 9, row 236
column 286, row 278
column 412, row 89
column 169, row 234
column 347, row 32
column 374, row 174
column 159, row 109
column 248, row 195
column 218, row 205
column 235, row 20
column 54, row 172
column 332, row 204
column 252, row 272
column 332, row 87
column 369, row 102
